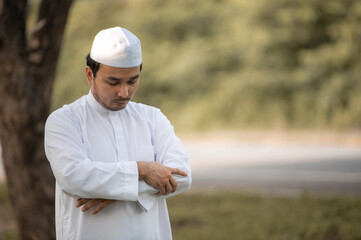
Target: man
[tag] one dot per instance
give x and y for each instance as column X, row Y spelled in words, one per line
column 115, row 161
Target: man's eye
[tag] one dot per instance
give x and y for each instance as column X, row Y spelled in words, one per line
column 133, row 81
column 112, row 83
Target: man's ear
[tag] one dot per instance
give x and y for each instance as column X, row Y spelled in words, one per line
column 89, row 75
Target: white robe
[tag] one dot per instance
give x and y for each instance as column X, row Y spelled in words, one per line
column 93, row 152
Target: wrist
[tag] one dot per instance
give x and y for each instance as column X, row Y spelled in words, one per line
column 141, row 170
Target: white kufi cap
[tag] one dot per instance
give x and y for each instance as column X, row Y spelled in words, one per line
column 116, row 47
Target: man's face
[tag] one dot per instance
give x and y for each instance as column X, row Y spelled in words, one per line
column 113, row 87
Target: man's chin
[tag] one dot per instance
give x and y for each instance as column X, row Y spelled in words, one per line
column 116, row 106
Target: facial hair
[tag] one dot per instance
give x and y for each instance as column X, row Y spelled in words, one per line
column 101, row 102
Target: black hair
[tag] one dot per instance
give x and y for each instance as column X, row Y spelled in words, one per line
column 94, row 65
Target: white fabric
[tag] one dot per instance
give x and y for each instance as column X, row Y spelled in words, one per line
column 117, row 47
column 93, row 154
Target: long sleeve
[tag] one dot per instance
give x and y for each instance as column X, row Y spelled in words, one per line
column 169, row 152
column 93, row 153
column 78, row 175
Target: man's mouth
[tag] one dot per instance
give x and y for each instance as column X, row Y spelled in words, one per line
column 121, row 100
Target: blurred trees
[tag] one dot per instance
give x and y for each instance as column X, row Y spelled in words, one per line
column 28, row 62
column 309, row 62
column 233, row 63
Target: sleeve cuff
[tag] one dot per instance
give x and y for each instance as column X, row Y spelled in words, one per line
column 131, row 181
column 146, row 196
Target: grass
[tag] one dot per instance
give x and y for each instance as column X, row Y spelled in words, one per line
column 239, row 215
column 7, row 224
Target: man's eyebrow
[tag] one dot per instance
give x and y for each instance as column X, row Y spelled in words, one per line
column 120, row 79
column 114, row 79
column 135, row 77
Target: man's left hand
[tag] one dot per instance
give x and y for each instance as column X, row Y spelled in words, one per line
column 87, row 204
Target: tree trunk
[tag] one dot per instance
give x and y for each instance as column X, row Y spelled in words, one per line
column 27, row 71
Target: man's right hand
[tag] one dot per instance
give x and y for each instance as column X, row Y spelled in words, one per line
column 159, row 176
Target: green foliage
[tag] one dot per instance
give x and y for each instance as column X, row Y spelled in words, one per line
column 232, row 63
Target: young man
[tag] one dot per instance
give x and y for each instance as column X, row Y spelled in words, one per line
column 115, row 161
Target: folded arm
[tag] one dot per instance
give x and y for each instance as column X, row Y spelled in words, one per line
column 169, row 154
column 166, row 174
column 162, row 179
column 77, row 175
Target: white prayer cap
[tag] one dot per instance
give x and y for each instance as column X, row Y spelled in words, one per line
column 116, row 47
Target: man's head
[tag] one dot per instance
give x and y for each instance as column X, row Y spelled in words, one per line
column 113, row 67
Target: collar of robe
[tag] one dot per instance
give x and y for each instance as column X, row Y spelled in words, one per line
column 97, row 106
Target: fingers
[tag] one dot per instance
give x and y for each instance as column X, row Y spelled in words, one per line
column 91, row 204
column 169, row 187
column 174, row 183
column 160, row 177
column 178, row 172
column 162, row 191
column 99, row 204
column 102, row 205
column 81, row 201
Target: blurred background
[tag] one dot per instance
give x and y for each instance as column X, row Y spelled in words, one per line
column 231, row 64
column 265, row 96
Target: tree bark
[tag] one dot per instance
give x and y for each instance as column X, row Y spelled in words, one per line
column 27, row 70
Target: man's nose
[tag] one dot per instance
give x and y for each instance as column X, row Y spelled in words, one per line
column 123, row 91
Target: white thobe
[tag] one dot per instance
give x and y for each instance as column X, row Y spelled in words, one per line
column 93, row 152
